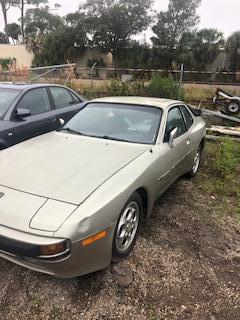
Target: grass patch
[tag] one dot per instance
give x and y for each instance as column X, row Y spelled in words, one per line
column 221, row 168
column 196, row 93
column 219, row 179
column 163, row 87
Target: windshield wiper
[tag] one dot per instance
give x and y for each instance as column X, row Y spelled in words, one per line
column 114, row 138
column 93, row 136
column 72, row 131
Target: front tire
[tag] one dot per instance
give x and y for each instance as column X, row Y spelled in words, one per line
column 127, row 227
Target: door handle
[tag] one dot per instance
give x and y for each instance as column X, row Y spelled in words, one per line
column 188, row 141
column 54, row 119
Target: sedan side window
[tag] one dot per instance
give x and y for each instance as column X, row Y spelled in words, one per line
column 62, row 97
column 36, row 101
column 174, row 120
column 187, row 117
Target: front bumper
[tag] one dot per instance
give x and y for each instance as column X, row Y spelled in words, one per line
column 79, row 261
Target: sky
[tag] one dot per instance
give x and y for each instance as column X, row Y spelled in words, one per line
column 219, row 14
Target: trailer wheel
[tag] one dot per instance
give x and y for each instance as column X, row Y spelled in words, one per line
column 233, row 108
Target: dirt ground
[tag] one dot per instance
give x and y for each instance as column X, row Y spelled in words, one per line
column 186, row 265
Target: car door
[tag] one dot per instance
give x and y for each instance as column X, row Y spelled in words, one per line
column 174, row 159
column 41, row 119
column 66, row 103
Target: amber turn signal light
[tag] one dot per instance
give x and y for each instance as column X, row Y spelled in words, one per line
column 94, row 238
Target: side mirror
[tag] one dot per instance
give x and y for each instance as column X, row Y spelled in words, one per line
column 172, row 136
column 61, row 122
column 22, row 113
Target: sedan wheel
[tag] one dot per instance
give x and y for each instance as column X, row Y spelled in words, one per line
column 196, row 164
column 127, row 227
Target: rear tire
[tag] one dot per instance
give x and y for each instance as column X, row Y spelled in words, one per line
column 127, row 227
column 196, row 164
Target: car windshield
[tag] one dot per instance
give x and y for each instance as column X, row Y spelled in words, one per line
column 6, row 98
column 121, row 122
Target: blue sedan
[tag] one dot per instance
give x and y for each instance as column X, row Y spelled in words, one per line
column 28, row 110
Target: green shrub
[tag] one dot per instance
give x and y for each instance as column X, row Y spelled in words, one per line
column 161, row 87
column 118, row 88
column 134, row 88
column 164, row 87
column 4, row 63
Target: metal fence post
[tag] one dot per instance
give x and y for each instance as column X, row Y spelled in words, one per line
column 92, row 74
column 181, row 81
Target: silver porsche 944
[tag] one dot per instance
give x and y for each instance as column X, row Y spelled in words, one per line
column 72, row 200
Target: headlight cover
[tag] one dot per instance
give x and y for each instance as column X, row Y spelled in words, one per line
column 54, row 250
column 51, row 215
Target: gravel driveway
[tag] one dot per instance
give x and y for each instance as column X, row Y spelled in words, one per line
column 186, row 265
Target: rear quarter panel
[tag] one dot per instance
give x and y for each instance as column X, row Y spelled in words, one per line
column 198, row 132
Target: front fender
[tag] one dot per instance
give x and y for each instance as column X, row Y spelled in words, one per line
column 103, row 207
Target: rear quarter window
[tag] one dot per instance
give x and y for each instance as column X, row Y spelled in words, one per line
column 63, row 98
column 187, row 117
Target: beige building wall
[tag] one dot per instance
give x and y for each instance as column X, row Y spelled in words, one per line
column 23, row 56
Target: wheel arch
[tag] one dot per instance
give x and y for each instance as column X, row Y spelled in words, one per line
column 202, row 143
column 145, row 199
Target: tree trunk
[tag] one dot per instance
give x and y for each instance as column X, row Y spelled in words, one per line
column 22, row 20
column 114, row 62
column 4, row 12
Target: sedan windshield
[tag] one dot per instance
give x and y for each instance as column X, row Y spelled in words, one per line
column 120, row 122
column 6, row 98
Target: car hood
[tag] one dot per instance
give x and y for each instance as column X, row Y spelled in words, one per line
column 64, row 167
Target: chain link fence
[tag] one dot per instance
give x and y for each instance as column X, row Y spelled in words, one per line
column 198, row 86
column 188, row 76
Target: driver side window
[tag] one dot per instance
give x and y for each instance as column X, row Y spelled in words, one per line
column 174, row 120
column 36, row 101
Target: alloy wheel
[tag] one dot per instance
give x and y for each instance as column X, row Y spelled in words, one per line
column 127, row 227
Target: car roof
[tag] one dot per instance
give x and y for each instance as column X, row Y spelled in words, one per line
column 147, row 101
column 23, row 85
